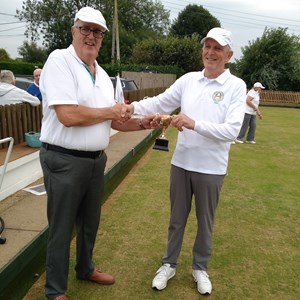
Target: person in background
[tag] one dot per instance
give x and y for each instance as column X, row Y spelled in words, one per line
column 34, row 88
column 212, row 105
column 79, row 111
column 10, row 94
column 252, row 110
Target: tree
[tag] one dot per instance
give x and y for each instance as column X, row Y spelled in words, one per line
column 51, row 21
column 273, row 59
column 4, row 55
column 194, row 19
column 173, row 51
column 32, row 53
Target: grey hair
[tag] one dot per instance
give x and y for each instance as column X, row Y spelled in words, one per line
column 7, row 76
column 229, row 48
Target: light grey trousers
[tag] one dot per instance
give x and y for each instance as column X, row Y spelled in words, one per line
column 74, row 188
column 206, row 189
column 249, row 122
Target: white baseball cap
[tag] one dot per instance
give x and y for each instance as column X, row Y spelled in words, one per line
column 259, row 85
column 222, row 36
column 91, row 15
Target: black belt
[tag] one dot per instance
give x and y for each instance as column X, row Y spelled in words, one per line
column 79, row 153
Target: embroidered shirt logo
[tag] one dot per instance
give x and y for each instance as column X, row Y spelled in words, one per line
column 218, row 96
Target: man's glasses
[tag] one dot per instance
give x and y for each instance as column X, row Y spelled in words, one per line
column 97, row 33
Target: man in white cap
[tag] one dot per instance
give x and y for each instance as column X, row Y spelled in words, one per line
column 252, row 110
column 212, row 109
column 78, row 112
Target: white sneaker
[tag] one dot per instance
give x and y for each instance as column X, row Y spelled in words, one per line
column 203, row 283
column 163, row 274
column 250, row 142
column 239, row 141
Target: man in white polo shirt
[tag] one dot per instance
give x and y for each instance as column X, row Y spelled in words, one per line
column 212, row 106
column 78, row 112
column 249, row 123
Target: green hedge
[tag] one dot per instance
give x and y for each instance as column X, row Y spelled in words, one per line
column 24, row 68
column 17, row 67
column 113, row 70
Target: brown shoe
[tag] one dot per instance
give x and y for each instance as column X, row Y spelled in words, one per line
column 61, row 297
column 101, row 278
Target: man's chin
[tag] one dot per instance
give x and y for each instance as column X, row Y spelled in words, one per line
column 91, row 51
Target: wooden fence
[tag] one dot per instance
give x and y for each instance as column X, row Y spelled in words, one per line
column 150, row 80
column 140, row 94
column 17, row 119
column 280, row 98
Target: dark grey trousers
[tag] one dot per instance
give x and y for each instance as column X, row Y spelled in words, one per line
column 249, row 121
column 205, row 188
column 74, row 188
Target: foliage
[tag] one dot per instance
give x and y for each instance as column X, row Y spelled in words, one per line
column 18, row 67
column 232, row 66
column 32, row 53
column 137, row 20
column 51, row 21
column 25, row 68
column 273, row 59
column 182, row 52
column 194, row 19
column 113, row 69
column 144, row 14
column 4, row 55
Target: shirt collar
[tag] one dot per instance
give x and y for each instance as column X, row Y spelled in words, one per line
column 221, row 79
column 73, row 53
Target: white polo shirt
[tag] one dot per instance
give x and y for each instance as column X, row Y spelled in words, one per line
column 255, row 95
column 65, row 80
column 218, row 108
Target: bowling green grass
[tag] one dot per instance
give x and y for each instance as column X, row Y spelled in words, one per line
column 256, row 241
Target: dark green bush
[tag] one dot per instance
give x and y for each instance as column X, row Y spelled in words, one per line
column 113, row 70
column 184, row 53
column 24, row 68
column 18, row 67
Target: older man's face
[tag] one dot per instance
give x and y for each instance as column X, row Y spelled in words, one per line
column 214, row 57
column 86, row 46
column 37, row 75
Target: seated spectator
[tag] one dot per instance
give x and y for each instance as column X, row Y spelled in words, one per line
column 10, row 94
column 34, row 88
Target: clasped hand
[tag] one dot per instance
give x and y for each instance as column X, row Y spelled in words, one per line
column 122, row 112
column 179, row 121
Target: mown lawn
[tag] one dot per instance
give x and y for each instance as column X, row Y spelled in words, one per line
column 256, row 252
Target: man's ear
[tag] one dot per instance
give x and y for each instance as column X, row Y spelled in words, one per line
column 230, row 53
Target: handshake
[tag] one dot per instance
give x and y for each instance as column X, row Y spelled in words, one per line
column 122, row 112
column 125, row 112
